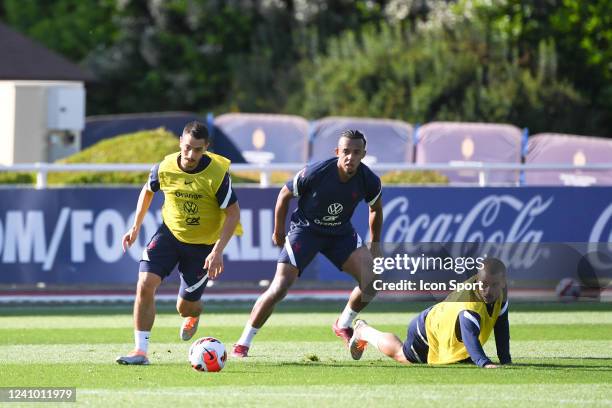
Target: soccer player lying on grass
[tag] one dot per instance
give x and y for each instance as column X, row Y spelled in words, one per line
column 328, row 192
column 453, row 330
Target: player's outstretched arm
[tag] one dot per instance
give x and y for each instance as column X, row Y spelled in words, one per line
column 469, row 324
column 144, row 202
column 502, row 336
column 280, row 215
column 214, row 261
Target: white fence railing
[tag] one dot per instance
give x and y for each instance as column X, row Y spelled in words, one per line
column 484, row 169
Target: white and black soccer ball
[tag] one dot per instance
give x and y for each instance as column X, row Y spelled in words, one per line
column 568, row 289
column 207, row 354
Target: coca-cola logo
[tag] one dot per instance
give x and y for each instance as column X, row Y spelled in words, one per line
column 477, row 225
column 600, row 239
column 480, row 224
column 602, row 226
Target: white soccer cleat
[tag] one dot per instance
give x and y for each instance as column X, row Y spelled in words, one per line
column 136, row 357
column 356, row 345
column 189, row 327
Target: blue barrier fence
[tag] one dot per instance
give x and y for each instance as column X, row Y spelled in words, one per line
column 73, row 236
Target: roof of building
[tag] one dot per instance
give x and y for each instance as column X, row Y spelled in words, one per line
column 24, row 59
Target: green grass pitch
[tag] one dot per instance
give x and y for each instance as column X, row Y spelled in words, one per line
column 562, row 357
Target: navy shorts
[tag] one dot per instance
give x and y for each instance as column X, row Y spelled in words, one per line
column 302, row 244
column 416, row 346
column 164, row 251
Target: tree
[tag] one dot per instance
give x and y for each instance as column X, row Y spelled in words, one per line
column 461, row 68
column 71, row 27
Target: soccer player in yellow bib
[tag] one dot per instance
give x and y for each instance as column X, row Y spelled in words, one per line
column 200, row 214
column 453, row 330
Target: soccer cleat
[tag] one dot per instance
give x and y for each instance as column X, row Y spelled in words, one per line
column 240, row 351
column 189, row 327
column 136, row 357
column 357, row 346
column 345, row 333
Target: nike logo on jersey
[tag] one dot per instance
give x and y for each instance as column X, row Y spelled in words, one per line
column 188, row 182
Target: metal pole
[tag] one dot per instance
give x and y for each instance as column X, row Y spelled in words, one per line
column 264, row 178
column 41, row 176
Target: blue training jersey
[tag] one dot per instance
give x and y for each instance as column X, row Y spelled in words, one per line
column 326, row 204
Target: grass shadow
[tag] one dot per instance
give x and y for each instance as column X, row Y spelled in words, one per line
column 286, row 307
column 605, row 363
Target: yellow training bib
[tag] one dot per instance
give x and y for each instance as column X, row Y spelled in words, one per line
column 191, row 210
column 444, row 347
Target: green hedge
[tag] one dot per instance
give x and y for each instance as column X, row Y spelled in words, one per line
column 17, row 178
column 150, row 146
column 414, row 177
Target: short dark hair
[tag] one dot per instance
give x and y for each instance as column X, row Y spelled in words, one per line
column 492, row 267
column 196, row 130
column 354, row 134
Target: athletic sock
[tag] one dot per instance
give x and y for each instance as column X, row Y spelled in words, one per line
column 141, row 338
column 346, row 318
column 247, row 335
column 370, row 334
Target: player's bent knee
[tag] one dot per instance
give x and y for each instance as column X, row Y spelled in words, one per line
column 366, row 281
column 285, row 276
column 148, row 283
column 360, row 265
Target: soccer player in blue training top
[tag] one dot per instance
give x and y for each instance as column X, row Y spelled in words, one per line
column 328, row 193
column 453, row 330
column 200, row 214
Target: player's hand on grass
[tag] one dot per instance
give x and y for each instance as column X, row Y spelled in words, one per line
column 130, row 237
column 490, row 366
column 214, row 264
column 278, row 239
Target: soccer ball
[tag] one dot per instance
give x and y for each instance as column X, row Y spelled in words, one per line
column 207, row 354
column 567, row 289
